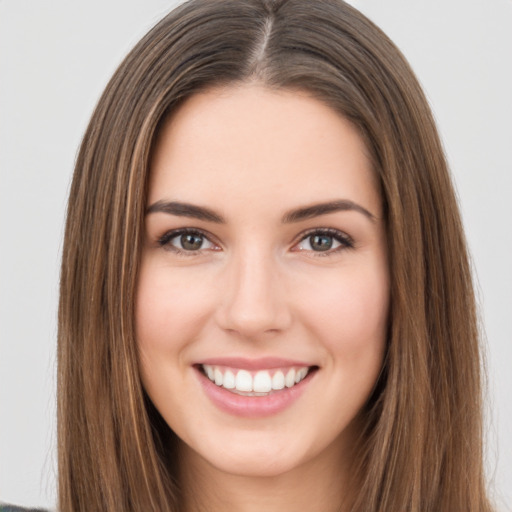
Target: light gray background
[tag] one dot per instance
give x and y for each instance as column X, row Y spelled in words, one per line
column 55, row 58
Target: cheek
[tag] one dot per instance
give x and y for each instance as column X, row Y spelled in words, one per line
column 350, row 312
column 170, row 313
column 170, row 307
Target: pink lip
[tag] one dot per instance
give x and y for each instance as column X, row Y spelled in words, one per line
column 252, row 406
column 263, row 363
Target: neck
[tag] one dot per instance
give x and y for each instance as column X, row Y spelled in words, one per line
column 322, row 484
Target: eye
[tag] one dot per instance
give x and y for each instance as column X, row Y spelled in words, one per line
column 186, row 241
column 324, row 241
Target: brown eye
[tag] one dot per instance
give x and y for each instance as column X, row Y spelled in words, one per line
column 321, row 242
column 191, row 241
column 186, row 241
column 324, row 241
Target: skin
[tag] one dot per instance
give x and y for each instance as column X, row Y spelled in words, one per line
column 256, row 288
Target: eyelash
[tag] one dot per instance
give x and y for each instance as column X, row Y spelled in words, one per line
column 343, row 239
column 164, row 240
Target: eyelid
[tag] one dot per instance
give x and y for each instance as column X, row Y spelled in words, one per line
column 163, row 241
column 346, row 241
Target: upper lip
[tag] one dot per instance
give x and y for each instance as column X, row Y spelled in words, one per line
column 262, row 363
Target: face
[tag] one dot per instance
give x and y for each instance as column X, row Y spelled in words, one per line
column 262, row 299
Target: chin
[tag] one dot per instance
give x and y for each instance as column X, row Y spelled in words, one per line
column 254, row 463
column 263, row 454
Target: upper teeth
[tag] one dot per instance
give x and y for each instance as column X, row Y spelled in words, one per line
column 258, row 382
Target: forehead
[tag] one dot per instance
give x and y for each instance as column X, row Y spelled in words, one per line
column 250, row 143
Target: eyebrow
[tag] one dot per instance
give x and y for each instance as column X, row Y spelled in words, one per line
column 186, row 210
column 315, row 210
column 202, row 213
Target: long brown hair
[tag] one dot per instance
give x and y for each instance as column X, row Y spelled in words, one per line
column 422, row 447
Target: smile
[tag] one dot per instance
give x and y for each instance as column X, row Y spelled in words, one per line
column 254, row 388
column 255, row 383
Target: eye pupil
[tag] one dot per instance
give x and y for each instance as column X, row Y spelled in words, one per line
column 320, row 242
column 191, row 241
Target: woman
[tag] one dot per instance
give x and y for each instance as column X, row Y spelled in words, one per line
column 261, row 200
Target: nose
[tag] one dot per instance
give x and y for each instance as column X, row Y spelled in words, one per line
column 253, row 301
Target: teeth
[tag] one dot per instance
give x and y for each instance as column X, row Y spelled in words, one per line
column 300, row 375
column 243, row 381
column 290, row 378
column 260, row 382
column 218, row 377
column 278, row 380
column 229, row 380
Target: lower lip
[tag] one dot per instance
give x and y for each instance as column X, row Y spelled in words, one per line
column 253, row 406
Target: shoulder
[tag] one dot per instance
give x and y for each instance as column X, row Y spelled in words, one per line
column 14, row 508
